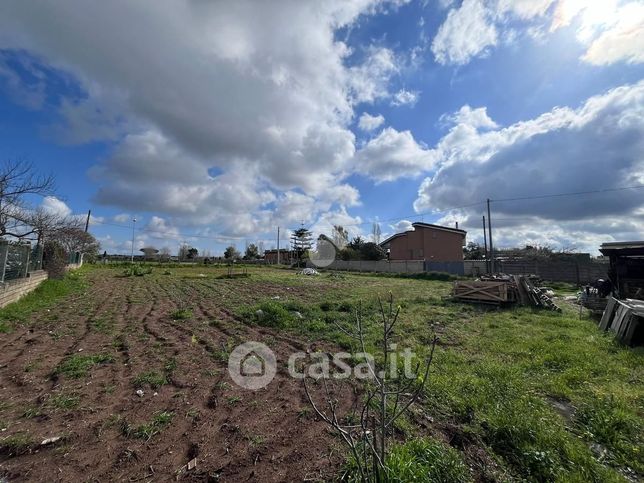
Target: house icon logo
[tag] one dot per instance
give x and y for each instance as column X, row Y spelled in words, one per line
column 252, row 365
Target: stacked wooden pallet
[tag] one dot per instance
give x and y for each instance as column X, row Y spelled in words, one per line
column 484, row 292
column 502, row 289
column 626, row 319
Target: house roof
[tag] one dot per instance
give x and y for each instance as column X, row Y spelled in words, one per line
column 419, row 224
column 627, row 248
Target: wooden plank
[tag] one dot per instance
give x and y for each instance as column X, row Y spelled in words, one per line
column 609, row 312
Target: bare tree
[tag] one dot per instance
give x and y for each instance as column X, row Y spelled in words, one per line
column 17, row 181
column 386, row 400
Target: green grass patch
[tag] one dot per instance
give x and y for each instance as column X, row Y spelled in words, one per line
column 426, row 460
column 16, row 444
column 77, row 366
column 159, row 422
column 181, row 314
column 44, row 296
column 151, row 378
column 65, row 402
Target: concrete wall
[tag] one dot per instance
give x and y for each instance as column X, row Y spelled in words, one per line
column 425, row 243
column 12, row 290
column 574, row 272
column 383, row 266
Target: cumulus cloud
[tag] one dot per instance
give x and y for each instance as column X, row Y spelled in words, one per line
column 55, row 206
column 257, row 90
column 393, row 154
column 367, row 122
column 598, row 145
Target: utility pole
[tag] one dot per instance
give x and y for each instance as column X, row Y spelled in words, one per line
column 489, row 230
column 89, row 213
column 132, row 253
column 278, row 245
column 487, row 258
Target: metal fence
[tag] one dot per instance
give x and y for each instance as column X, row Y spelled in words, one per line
column 17, row 259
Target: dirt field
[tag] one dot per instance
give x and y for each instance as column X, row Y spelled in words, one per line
column 235, row 434
column 514, row 395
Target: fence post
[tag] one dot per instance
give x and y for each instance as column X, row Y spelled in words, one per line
column 28, row 252
column 5, row 254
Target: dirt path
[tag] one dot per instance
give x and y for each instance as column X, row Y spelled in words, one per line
column 235, row 434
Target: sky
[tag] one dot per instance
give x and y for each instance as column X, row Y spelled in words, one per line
column 213, row 123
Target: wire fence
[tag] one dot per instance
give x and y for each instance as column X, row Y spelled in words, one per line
column 17, row 259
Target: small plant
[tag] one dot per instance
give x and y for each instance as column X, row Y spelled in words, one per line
column 232, row 400
column 65, row 401
column 181, row 314
column 147, row 430
column 77, row 366
column 16, row 444
column 426, row 460
column 152, row 378
column 32, row 412
column 137, row 270
column 387, row 399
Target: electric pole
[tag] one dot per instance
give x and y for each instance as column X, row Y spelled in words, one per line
column 487, row 258
column 489, row 230
column 278, row 245
column 133, row 227
column 89, row 213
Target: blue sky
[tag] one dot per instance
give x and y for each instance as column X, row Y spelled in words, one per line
column 214, row 123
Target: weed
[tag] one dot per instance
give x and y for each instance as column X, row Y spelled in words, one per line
column 181, row 314
column 32, row 412
column 232, row 400
column 147, row 430
column 426, row 460
column 16, row 444
column 65, row 401
column 77, row 365
column 152, row 378
column 137, row 270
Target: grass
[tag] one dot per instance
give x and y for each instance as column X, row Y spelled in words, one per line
column 45, row 296
column 500, row 376
column 147, row 430
column 153, row 379
column 497, row 373
column 77, row 366
column 181, row 314
column 426, row 460
column 16, row 444
column 65, row 401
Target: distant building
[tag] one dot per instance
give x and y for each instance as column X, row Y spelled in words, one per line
column 426, row 242
column 287, row 257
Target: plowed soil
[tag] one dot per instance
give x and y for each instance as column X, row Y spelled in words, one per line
column 234, row 434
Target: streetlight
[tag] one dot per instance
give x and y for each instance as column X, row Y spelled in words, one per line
column 133, row 226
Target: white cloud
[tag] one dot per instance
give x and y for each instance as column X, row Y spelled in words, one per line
column 599, row 145
column 466, row 33
column 613, row 31
column 402, row 226
column 53, row 205
column 367, row 122
column 393, row 154
column 622, row 39
column 404, row 97
column 122, row 218
column 261, row 91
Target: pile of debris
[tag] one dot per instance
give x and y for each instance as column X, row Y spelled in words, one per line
column 503, row 289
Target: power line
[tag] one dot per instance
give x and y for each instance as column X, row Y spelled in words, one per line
column 573, row 193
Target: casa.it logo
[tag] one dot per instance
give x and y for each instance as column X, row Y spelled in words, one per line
column 252, row 365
